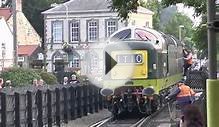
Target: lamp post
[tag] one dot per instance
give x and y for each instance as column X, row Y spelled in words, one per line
column 180, row 32
column 3, row 56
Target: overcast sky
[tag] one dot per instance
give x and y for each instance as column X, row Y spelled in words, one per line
column 189, row 12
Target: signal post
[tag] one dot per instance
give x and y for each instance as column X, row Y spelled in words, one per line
column 212, row 88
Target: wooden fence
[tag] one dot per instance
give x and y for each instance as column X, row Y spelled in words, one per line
column 47, row 105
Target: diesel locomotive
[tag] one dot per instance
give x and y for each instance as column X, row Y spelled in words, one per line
column 157, row 61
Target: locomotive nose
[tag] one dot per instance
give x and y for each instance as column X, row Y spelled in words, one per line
column 106, row 91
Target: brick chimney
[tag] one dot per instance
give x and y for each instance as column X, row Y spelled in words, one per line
column 19, row 5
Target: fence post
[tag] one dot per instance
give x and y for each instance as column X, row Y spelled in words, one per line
column 17, row 109
column 100, row 100
column 29, row 109
column 85, row 100
column 39, row 108
column 49, row 107
column 91, row 109
column 96, row 102
column 3, row 110
column 65, row 104
column 72, row 102
column 57, row 91
column 79, row 98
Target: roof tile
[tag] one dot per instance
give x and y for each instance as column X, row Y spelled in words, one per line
column 26, row 49
column 6, row 13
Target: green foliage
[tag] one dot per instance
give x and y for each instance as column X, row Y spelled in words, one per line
column 49, row 78
column 172, row 27
column 200, row 36
column 32, row 10
column 20, row 76
column 199, row 5
column 124, row 7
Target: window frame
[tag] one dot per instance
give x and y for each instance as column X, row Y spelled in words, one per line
column 97, row 30
column 74, row 57
column 52, row 31
column 70, row 31
column 106, row 26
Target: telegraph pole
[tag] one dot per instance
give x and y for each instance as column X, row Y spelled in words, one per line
column 212, row 82
column 14, row 12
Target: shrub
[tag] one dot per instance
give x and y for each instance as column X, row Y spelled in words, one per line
column 48, row 78
column 20, row 76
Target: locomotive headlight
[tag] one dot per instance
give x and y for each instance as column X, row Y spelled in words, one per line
column 154, row 66
column 148, row 91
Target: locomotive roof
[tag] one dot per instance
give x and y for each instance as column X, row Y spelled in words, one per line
column 158, row 39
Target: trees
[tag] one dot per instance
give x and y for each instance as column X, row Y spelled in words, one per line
column 172, row 27
column 124, row 7
column 32, row 10
column 199, row 5
column 200, row 33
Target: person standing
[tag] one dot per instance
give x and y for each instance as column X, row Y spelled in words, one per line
column 187, row 61
column 65, row 81
column 1, row 83
column 191, row 117
column 74, row 79
column 34, row 82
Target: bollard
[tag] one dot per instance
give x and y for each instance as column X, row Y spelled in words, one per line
column 49, row 107
column 29, row 109
column 39, row 108
column 100, row 100
column 17, row 109
column 57, row 91
column 72, row 102
column 65, row 104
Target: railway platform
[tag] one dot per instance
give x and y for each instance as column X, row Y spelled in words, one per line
column 169, row 116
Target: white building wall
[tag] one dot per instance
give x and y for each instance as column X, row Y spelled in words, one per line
column 7, row 38
column 83, row 18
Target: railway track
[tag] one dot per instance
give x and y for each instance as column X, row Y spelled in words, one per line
column 130, row 122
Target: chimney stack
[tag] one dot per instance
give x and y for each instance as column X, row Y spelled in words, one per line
column 19, row 5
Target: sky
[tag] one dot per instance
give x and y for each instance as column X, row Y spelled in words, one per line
column 189, row 12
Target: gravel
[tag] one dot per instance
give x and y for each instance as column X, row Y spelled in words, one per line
column 86, row 121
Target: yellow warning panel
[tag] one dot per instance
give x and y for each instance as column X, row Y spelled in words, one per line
column 132, row 64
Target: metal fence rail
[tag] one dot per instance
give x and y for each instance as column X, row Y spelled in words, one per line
column 48, row 105
column 197, row 79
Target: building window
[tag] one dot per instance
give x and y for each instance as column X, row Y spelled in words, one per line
column 111, row 27
column 74, row 31
column 92, row 30
column 74, row 60
column 146, row 24
column 57, row 31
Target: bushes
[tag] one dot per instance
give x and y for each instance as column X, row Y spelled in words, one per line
column 49, row 78
column 21, row 76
